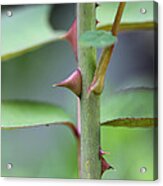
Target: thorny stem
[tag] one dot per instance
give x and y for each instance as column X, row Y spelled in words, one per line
column 90, row 107
column 89, row 142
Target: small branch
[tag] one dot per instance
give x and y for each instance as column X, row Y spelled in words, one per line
column 97, row 84
column 132, row 122
column 118, row 17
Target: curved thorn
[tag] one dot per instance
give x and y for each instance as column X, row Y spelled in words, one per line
column 73, row 82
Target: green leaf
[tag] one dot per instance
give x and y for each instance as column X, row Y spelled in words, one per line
column 98, row 39
column 30, row 76
column 27, row 29
column 18, row 114
column 131, row 122
column 129, row 148
column 41, row 151
column 49, row 152
column 131, row 19
column 124, row 142
column 132, row 103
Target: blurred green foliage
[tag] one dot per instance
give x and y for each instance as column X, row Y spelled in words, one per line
column 26, row 30
column 144, row 99
column 107, row 11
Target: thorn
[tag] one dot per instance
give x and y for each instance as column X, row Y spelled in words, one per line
column 97, row 21
column 111, row 167
column 105, row 165
column 97, row 5
column 73, row 82
column 71, row 37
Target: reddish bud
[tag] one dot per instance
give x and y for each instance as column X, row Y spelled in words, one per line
column 73, row 82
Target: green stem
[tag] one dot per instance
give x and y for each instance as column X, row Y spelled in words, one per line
column 90, row 107
column 98, row 82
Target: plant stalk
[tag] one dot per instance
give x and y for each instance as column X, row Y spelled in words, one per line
column 98, row 82
column 90, row 107
column 107, row 52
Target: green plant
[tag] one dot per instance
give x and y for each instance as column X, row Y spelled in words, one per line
column 87, row 82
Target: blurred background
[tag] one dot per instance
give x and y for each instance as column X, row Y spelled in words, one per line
column 129, row 92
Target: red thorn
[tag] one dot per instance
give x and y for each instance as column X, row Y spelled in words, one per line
column 73, row 82
column 97, row 21
column 105, row 165
column 71, row 37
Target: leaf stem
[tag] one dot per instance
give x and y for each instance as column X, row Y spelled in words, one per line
column 97, row 84
column 130, row 26
column 118, row 18
column 70, row 125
